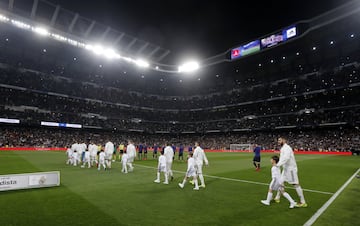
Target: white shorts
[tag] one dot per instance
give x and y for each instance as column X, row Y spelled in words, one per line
column 199, row 167
column 162, row 169
column 290, row 176
column 108, row 156
column 191, row 173
column 168, row 166
column 131, row 159
column 275, row 185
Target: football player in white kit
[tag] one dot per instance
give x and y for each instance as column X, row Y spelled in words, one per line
column 169, row 155
column 162, row 168
column 93, row 149
column 289, row 173
column 109, row 150
column 190, row 172
column 200, row 158
column 276, row 184
column 131, row 151
column 101, row 160
column 69, row 152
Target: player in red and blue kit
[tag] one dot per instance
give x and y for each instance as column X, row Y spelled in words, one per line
column 140, row 151
column 256, row 160
column 145, row 152
column 181, row 152
column 155, row 151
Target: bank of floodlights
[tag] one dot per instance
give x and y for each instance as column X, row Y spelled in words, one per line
column 96, row 49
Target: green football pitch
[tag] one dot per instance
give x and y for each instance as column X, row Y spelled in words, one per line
column 231, row 197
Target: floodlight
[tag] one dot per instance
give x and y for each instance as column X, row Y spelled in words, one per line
column 141, row 63
column 189, row 67
column 20, row 24
column 99, row 50
column 4, row 18
column 41, row 31
column 110, row 54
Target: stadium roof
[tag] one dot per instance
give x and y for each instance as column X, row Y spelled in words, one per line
column 166, row 32
column 201, row 28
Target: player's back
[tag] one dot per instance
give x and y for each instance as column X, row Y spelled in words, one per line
column 199, row 155
column 169, row 153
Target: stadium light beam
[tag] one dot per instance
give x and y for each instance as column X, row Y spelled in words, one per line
column 41, row 31
column 141, row 63
column 188, row 67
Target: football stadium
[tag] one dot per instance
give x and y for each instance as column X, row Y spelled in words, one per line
column 103, row 122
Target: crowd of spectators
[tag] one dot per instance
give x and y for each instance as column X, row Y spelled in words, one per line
column 306, row 140
column 302, row 98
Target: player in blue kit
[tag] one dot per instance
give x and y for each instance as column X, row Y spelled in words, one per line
column 140, row 151
column 257, row 158
column 181, row 152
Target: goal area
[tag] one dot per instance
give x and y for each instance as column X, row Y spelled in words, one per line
column 241, row 147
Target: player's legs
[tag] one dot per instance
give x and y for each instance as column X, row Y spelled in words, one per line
column 124, row 168
column 168, row 169
column 196, row 183
column 129, row 163
column 268, row 197
column 300, row 193
column 200, row 175
column 274, row 186
column 181, row 185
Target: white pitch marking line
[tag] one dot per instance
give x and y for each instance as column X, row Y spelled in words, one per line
column 245, row 181
column 328, row 203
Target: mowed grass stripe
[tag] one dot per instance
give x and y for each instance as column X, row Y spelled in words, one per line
column 45, row 206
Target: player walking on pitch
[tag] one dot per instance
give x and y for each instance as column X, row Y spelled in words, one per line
column 131, row 151
column 162, row 168
column 190, row 172
column 109, row 150
column 276, row 184
column 200, row 158
column 289, row 172
column 169, row 155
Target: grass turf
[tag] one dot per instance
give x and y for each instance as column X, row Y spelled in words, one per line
column 89, row 197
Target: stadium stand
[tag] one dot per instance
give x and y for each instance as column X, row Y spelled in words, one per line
column 306, row 89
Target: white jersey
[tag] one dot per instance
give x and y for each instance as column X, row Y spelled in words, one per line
column 169, row 153
column 199, row 156
column 87, row 156
column 74, row 147
column 93, row 149
column 109, row 147
column 276, row 178
column 124, row 158
column 69, row 152
column 191, row 171
column 102, row 156
column 131, row 151
column 75, row 156
column 287, row 158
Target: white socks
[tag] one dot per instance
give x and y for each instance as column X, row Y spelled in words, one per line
column 288, row 197
column 196, row 184
column 278, row 195
column 300, row 193
column 202, row 179
column 184, row 182
column 269, row 197
column 158, row 176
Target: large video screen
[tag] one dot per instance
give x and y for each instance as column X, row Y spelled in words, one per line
column 244, row 50
column 264, row 43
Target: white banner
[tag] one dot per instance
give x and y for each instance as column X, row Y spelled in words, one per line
column 29, row 180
